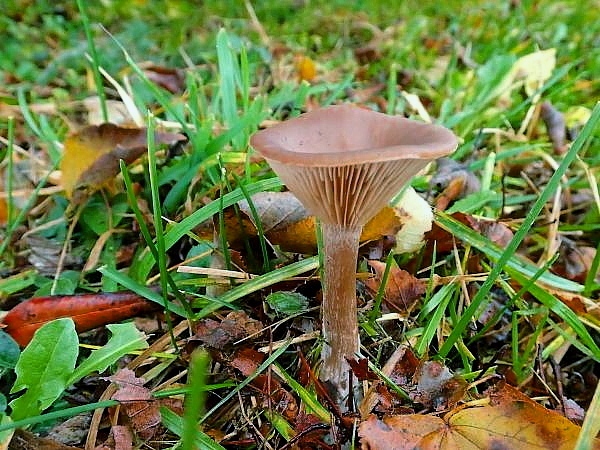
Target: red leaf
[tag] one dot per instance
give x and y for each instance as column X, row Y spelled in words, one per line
column 88, row 311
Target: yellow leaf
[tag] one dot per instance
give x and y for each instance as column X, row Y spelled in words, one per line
column 510, row 420
column 91, row 156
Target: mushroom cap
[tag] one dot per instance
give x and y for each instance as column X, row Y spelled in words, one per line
column 347, row 134
column 344, row 163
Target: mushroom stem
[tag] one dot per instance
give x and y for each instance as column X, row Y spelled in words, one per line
column 340, row 327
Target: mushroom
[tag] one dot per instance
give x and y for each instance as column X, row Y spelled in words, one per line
column 344, row 163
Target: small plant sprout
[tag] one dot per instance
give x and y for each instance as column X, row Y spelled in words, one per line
column 344, row 163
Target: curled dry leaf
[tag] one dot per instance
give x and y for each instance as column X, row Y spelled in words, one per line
column 436, row 386
column 88, row 311
column 509, row 420
column 497, row 232
column 555, row 124
column 26, row 440
column 91, row 156
column 455, row 180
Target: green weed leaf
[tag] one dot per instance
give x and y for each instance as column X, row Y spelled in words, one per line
column 9, row 351
column 45, row 367
column 125, row 338
column 287, row 303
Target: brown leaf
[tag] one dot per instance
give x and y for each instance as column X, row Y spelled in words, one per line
column 361, row 370
column 575, row 261
column 88, row 311
column 137, row 402
column 91, row 156
column 555, row 124
column 72, row 431
column 456, row 181
column 402, row 289
column 497, row 232
column 510, row 421
column 247, row 361
column 173, row 80
column 235, row 326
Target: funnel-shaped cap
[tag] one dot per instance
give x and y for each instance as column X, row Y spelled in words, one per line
column 344, row 163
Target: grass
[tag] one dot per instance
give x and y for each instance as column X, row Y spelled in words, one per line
column 236, row 74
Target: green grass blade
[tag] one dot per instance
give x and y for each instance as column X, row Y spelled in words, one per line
column 141, row 269
column 95, row 60
column 141, row 290
column 494, row 252
column 195, row 398
column 309, row 399
column 261, row 282
column 270, row 360
column 561, row 310
column 510, row 250
column 176, row 425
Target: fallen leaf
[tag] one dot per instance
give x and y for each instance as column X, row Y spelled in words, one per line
column 402, row 289
column 436, row 387
column 497, row 232
column 137, row 402
column 88, row 311
column 510, row 420
column 72, row 431
column 575, row 261
column 456, row 181
column 235, row 326
column 91, row 156
column 530, row 71
column 360, row 368
column 247, row 361
column 286, row 222
column 173, row 80
column 534, row 69
column 555, row 124
column 44, row 254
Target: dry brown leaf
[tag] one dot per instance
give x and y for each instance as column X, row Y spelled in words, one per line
column 402, row 289
column 173, row 80
column 137, row 402
column 456, row 181
column 235, row 326
column 575, row 261
column 91, row 156
column 509, row 421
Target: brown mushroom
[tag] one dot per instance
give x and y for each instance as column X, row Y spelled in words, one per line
column 345, row 163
